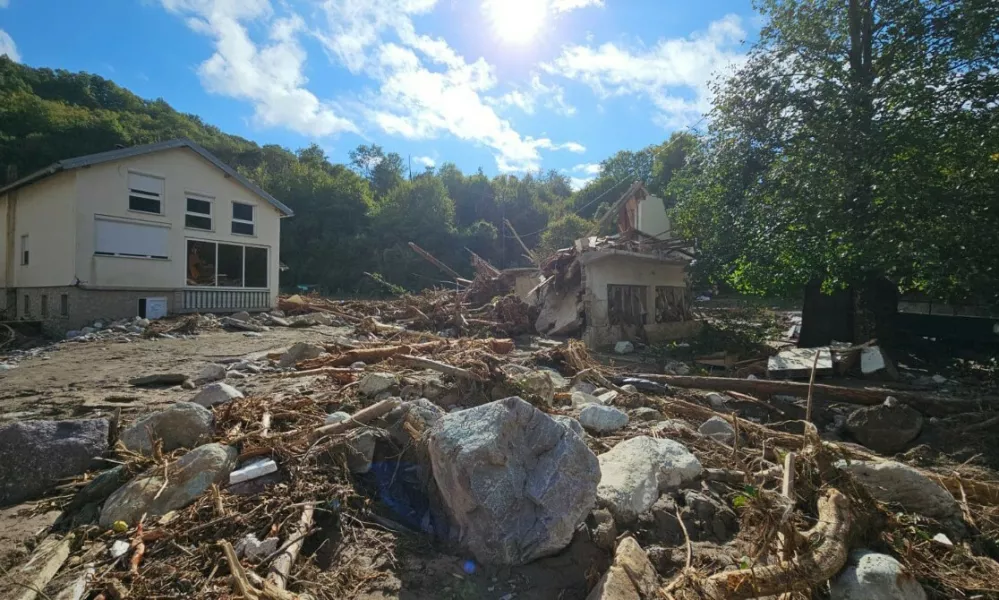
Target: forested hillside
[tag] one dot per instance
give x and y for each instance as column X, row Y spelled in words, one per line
column 350, row 219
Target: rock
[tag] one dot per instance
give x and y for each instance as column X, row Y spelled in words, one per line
column 887, row 428
column 943, row 540
column 241, row 316
column 119, row 548
column 189, row 477
column 630, row 577
column 34, row 455
column 73, row 333
column 893, row 482
column 603, row 530
column 420, row 415
column 646, row 414
column 250, row 548
column 676, row 367
column 183, row 425
column 209, row 373
column 217, row 393
column 581, row 399
column 602, row 419
column 278, row 313
column 872, row 360
column 279, row 321
column 515, row 482
column 872, row 576
column 629, row 388
column 360, row 450
column 336, row 417
column 252, row 334
column 358, row 365
column 635, row 471
column 607, row 398
column 158, row 379
column 584, row 387
column 718, row 401
column 373, row 384
column 188, row 385
column 572, row 424
column 719, row 429
column 537, row 384
column 300, row 351
column 938, row 379
column 624, row 347
column 713, row 520
column 241, row 325
column 87, row 330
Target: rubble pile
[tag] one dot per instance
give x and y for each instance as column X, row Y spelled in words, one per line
column 406, row 441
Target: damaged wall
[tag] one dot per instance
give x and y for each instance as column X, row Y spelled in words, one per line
column 633, row 271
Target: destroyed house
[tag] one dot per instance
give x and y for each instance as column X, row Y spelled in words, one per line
column 140, row 231
column 628, row 286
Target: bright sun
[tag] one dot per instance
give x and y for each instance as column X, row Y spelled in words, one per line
column 516, row 21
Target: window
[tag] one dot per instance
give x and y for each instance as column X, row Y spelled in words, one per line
column 672, row 304
column 626, row 304
column 242, row 218
column 27, row 305
column 45, row 306
column 136, row 240
column 145, row 193
column 226, row 265
column 199, row 213
column 24, row 250
column 64, row 305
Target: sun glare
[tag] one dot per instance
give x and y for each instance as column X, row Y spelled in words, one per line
column 516, row 21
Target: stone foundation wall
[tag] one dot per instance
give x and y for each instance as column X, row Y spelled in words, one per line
column 84, row 306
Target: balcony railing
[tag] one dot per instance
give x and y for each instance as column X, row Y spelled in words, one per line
column 210, row 300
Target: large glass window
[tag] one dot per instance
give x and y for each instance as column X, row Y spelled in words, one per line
column 226, row 265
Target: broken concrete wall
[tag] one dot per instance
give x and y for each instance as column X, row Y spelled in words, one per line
column 560, row 311
column 526, row 281
column 651, row 218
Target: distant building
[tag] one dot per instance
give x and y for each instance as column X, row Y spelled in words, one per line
column 141, row 231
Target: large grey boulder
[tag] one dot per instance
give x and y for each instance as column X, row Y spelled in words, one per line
column 298, row 352
column 515, row 482
column 634, row 472
column 872, row 576
column 719, row 429
column 603, row 419
column 895, row 483
column 887, row 428
column 34, row 455
column 209, row 373
column 373, row 384
column 183, row 425
column 216, row 393
column 188, row 477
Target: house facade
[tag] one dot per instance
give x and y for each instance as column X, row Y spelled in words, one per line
column 149, row 230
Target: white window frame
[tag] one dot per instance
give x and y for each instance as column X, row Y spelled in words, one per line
column 211, row 210
column 243, row 276
column 251, row 222
column 25, row 253
column 161, row 198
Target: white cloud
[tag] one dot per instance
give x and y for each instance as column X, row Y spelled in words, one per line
column 674, row 73
column 268, row 75
column 587, row 168
column 8, row 47
column 578, row 183
column 426, row 161
column 571, row 147
column 4, row 3
column 552, row 97
column 567, row 5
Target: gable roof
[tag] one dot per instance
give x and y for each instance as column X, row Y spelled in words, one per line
column 123, row 153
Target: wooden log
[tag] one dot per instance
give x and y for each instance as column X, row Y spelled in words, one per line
column 359, row 418
column 76, row 589
column 370, row 355
column 927, row 403
column 332, row 371
column 433, row 260
column 43, row 565
column 425, row 363
column 530, row 255
column 281, row 567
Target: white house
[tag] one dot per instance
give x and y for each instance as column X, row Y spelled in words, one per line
column 147, row 230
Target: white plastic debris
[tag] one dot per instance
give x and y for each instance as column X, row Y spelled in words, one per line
column 119, row 548
column 871, row 360
column 253, row 549
column 253, row 470
column 943, row 540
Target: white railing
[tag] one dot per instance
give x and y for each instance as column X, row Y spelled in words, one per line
column 208, row 300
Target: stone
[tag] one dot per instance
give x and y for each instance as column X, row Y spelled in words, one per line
column 241, row 316
column 676, row 367
column 719, row 429
column 252, row 549
column 515, row 483
column 358, row 365
column 634, row 472
column 417, row 415
column 624, row 347
column 252, row 334
column 603, row 530
column 279, row 321
column 188, row 385
column 943, row 540
column 373, row 384
column 209, row 373
column 584, row 386
column 602, row 419
column 718, row 401
column 607, row 398
column 646, row 414
column 896, row 483
column 298, row 352
column 572, row 424
column 158, row 379
column 189, row 477
column 629, row 388
column 183, row 425
column 35, row 455
column 217, row 393
column 630, row 577
column 336, row 417
column 887, row 428
column 872, row 576
column 242, row 325
column 360, row 450
column 581, row 399
column 537, row 384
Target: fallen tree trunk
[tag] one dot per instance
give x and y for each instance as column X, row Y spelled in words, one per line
column 805, row 571
column 281, row 567
column 369, row 355
column 359, row 418
column 43, row 565
column 425, row 363
column 929, row 404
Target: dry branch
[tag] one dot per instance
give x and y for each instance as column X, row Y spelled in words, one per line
column 45, row 562
column 369, row 355
column 360, row 418
column 426, row 363
column 281, row 567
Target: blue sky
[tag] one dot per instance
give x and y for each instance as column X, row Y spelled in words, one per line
column 506, row 85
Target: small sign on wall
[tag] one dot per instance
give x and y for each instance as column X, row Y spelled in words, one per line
column 152, row 308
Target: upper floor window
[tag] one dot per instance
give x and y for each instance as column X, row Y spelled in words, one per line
column 199, row 213
column 242, row 218
column 145, row 193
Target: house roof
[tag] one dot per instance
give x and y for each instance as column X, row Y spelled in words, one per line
column 123, row 153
